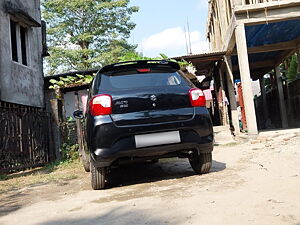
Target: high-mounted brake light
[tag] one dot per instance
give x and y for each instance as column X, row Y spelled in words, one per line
column 197, row 97
column 101, row 105
column 143, row 70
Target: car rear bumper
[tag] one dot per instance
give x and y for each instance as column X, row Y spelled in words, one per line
column 107, row 159
column 109, row 143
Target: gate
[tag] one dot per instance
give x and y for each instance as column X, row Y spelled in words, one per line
column 24, row 138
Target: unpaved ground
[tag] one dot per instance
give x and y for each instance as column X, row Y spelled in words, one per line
column 257, row 182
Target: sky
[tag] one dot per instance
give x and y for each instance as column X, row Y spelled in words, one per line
column 160, row 26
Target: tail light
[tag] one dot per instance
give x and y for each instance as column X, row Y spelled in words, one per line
column 101, row 105
column 143, row 70
column 197, row 97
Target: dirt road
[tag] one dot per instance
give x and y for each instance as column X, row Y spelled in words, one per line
column 257, row 182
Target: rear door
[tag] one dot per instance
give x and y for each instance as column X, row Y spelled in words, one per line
column 147, row 97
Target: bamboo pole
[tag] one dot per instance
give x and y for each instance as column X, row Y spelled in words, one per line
column 283, row 114
column 232, row 99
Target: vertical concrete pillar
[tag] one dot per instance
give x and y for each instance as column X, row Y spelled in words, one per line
column 264, row 98
column 232, row 99
column 283, row 114
column 237, row 2
column 241, row 45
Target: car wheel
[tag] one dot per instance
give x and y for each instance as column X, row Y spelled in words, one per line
column 201, row 163
column 84, row 157
column 85, row 160
column 98, row 177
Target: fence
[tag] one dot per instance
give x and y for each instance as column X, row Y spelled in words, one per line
column 273, row 119
column 292, row 102
column 24, row 138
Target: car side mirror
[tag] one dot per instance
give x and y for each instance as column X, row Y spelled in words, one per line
column 78, row 114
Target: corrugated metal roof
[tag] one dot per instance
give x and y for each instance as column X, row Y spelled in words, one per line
column 272, row 33
column 73, row 73
column 71, row 87
column 202, row 55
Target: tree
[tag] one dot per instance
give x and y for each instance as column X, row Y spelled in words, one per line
column 114, row 50
column 86, row 33
column 292, row 70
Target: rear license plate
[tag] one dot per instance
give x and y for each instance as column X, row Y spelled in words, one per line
column 146, row 140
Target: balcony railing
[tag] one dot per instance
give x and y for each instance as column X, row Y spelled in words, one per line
column 253, row 2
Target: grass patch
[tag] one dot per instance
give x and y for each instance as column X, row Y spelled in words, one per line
column 3, row 177
column 60, row 171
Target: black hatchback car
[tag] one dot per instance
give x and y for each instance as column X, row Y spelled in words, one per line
column 144, row 110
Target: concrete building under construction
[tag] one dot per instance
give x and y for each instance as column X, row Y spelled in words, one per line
column 254, row 37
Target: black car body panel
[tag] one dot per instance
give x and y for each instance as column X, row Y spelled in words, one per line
column 149, row 107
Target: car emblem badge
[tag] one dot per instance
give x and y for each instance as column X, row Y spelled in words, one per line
column 153, row 98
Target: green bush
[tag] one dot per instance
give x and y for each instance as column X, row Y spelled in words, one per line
column 69, row 152
column 292, row 71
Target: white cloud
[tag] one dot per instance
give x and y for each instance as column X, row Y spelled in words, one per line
column 172, row 43
column 202, row 4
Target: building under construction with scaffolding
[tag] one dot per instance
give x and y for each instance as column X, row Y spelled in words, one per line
column 249, row 39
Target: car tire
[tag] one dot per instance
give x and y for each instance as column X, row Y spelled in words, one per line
column 201, row 164
column 84, row 157
column 98, row 177
column 85, row 160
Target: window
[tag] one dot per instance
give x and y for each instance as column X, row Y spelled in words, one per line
column 130, row 81
column 23, row 32
column 14, row 43
column 19, row 46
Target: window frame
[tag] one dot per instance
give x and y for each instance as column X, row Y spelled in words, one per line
column 20, row 48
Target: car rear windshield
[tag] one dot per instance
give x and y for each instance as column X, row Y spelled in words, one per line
column 141, row 80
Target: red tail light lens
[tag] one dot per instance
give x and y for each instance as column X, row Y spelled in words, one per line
column 101, row 105
column 143, row 70
column 197, row 97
